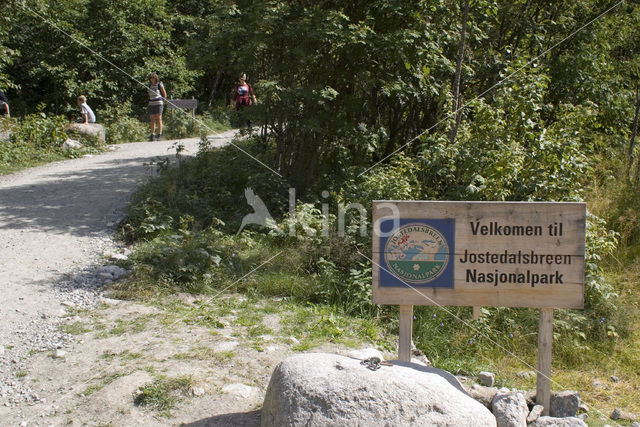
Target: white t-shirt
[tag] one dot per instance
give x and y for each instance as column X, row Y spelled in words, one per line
column 91, row 118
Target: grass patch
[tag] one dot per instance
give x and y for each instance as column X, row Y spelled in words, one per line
column 127, row 355
column 76, row 328
column 21, row 374
column 132, row 326
column 102, row 382
column 163, row 393
column 204, row 353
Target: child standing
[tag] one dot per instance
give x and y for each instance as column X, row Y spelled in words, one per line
column 156, row 95
column 87, row 112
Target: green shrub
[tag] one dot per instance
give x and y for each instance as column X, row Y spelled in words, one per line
column 121, row 127
column 178, row 123
column 34, row 139
column 38, row 131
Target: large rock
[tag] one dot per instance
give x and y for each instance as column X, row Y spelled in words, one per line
column 317, row 389
column 510, row 409
column 558, row 422
column 564, row 404
column 91, row 130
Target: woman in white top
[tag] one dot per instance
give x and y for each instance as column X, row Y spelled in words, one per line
column 157, row 95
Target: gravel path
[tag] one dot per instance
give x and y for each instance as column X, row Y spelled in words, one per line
column 56, row 223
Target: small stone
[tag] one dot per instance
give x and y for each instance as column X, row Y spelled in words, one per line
column 1, row 350
column 59, row 354
column 583, row 407
column 564, row 404
column 68, row 304
column 535, row 413
column 635, row 424
column 614, row 378
column 619, row 414
column 487, row 379
column 240, row 390
column 71, row 144
column 483, row 394
column 197, row 391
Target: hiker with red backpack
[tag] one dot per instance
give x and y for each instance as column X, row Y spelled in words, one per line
column 243, row 97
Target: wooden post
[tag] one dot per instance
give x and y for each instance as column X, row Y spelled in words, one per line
column 545, row 339
column 405, row 333
column 476, row 313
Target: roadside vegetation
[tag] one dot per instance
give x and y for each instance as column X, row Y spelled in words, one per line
column 38, row 138
column 184, row 226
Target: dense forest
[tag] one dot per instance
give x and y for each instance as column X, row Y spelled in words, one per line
column 525, row 100
column 476, row 89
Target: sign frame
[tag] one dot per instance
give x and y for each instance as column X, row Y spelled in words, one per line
column 559, row 258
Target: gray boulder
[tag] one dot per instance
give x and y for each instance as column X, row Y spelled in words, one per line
column 317, row 389
column 91, row 130
column 510, row 409
column 558, row 422
column 564, row 404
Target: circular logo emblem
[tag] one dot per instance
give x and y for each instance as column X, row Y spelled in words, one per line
column 416, row 253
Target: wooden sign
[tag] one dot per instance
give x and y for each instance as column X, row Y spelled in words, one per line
column 499, row 254
column 189, row 104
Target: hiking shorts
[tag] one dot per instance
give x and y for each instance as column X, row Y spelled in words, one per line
column 156, row 109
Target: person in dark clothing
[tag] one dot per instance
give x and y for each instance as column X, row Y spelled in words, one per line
column 4, row 105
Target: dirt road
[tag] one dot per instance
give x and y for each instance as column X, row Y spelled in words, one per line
column 56, row 222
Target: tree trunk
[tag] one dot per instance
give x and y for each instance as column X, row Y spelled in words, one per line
column 632, row 140
column 457, row 105
column 215, row 88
